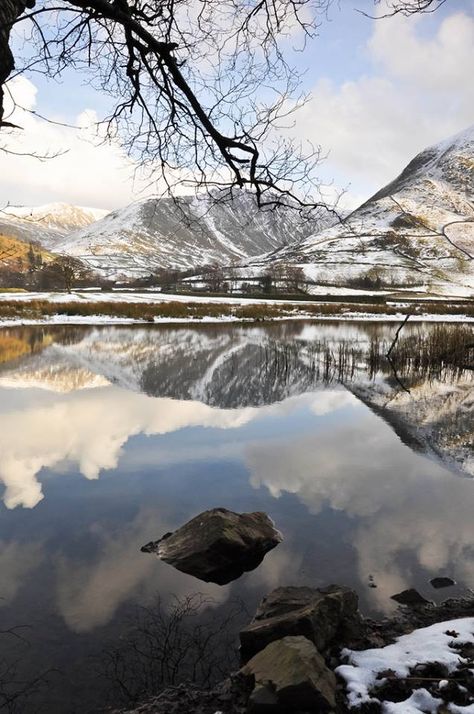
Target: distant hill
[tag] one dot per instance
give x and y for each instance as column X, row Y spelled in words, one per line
column 157, row 233
column 46, row 224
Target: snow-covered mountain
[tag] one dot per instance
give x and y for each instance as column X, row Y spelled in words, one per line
column 47, row 224
column 416, row 231
column 184, row 233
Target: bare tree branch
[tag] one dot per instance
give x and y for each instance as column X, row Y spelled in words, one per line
column 201, row 91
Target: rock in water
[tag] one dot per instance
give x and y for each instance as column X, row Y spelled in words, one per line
column 410, row 598
column 290, row 675
column 321, row 615
column 442, row 582
column 218, row 545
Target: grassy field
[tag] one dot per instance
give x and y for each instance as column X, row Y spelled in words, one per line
column 44, row 309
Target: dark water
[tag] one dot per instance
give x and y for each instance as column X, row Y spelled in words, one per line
column 109, row 437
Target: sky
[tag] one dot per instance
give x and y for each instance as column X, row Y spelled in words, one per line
column 380, row 92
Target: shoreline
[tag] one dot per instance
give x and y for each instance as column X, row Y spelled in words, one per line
column 417, row 660
column 140, row 308
column 110, row 321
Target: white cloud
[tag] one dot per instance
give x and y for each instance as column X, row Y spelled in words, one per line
column 21, row 91
column 419, row 92
column 90, row 173
column 330, row 400
column 439, row 63
column 72, row 434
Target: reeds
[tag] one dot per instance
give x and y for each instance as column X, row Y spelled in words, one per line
column 433, row 352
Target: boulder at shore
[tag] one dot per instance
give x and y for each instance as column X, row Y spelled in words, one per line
column 290, row 675
column 218, row 545
column 320, row 615
column 410, row 598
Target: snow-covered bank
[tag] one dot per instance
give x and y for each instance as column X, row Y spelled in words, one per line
column 93, row 307
column 111, row 320
column 368, row 671
column 141, row 297
column 155, row 297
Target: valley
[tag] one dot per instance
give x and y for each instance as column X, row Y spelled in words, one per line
column 416, row 234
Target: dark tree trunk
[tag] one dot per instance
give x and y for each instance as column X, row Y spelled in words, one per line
column 9, row 11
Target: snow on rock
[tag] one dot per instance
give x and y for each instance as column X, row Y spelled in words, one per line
column 423, row 646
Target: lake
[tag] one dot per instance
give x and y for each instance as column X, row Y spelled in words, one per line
column 112, row 436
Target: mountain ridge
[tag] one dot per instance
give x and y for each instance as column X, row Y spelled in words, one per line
column 418, row 230
column 184, row 233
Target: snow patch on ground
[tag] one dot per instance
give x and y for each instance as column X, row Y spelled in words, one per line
column 111, row 320
column 428, row 644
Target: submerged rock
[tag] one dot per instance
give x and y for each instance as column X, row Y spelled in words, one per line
column 320, row 615
column 217, row 546
column 411, row 598
column 290, row 675
column 442, row 582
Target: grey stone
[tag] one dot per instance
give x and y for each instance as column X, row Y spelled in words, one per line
column 218, row 545
column 321, row 615
column 410, row 598
column 295, row 673
column 442, row 582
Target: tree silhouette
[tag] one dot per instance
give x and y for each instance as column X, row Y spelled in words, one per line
column 200, row 90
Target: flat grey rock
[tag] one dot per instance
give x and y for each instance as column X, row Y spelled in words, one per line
column 410, row 598
column 218, row 545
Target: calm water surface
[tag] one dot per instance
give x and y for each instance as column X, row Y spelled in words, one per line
column 109, row 437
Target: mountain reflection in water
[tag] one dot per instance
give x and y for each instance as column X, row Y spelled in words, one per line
column 109, row 436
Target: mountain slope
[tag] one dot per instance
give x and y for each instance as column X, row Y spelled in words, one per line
column 417, row 230
column 14, row 253
column 46, row 224
column 158, row 233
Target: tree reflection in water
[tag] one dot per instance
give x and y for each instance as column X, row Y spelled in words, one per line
column 160, row 647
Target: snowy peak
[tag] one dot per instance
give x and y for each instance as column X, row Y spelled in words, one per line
column 46, row 224
column 451, row 161
column 58, row 216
